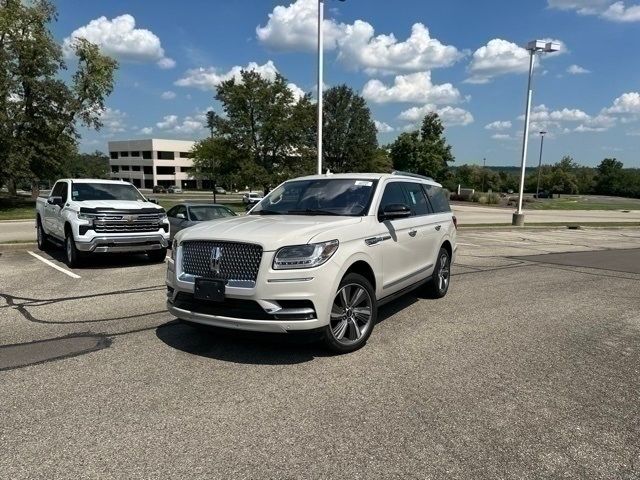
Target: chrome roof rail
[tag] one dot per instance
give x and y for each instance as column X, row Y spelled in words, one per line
column 409, row 174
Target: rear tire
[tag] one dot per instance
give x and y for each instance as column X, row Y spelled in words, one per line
column 157, row 256
column 72, row 253
column 41, row 236
column 438, row 286
column 353, row 315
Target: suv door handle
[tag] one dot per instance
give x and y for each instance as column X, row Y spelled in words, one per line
column 412, row 232
column 438, row 227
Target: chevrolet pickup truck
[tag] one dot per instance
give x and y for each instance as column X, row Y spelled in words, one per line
column 100, row 216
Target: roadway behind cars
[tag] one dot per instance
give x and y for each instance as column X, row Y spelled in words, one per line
column 528, row 368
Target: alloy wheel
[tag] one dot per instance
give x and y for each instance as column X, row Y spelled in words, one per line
column 443, row 273
column 351, row 314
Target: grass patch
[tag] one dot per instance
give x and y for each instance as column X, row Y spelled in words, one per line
column 17, row 208
column 553, row 224
column 585, row 202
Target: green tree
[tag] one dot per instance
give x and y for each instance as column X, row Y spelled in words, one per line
column 426, row 151
column 264, row 129
column 610, row 179
column 349, row 133
column 83, row 165
column 39, row 112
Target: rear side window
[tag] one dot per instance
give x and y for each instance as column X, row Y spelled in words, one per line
column 438, row 198
column 393, row 194
column 417, row 199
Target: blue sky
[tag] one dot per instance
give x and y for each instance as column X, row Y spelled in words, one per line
column 460, row 58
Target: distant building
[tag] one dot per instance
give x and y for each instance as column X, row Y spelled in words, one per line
column 150, row 162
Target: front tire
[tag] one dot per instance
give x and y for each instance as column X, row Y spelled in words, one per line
column 72, row 254
column 157, row 256
column 438, row 286
column 41, row 236
column 353, row 315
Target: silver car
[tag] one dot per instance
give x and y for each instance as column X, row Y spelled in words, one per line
column 187, row 214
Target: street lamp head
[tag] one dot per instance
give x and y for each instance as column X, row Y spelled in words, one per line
column 542, row 132
column 542, row 46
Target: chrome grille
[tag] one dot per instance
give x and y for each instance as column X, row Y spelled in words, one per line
column 240, row 262
column 121, row 223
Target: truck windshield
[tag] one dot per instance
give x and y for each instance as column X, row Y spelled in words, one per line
column 344, row 197
column 81, row 192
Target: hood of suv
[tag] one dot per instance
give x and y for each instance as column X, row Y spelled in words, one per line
column 272, row 232
column 118, row 205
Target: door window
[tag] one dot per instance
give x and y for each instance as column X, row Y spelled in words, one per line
column 393, row 194
column 417, row 199
column 60, row 190
column 438, row 198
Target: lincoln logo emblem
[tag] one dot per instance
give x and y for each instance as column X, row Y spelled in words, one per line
column 129, row 218
column 214, row 261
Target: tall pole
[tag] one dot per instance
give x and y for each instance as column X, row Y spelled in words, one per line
column 540, row 164
column 484, row 164
column 320, row 82
column 518, row 216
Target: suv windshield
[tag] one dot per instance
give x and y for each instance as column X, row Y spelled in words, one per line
column 344, row 197
column 81, row 192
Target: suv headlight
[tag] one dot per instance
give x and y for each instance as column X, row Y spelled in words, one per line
column 304, row 256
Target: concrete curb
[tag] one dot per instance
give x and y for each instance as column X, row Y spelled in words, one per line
column 18, row 220
column 547, row 227
column 9, row 247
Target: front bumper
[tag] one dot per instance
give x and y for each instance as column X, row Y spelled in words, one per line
column 133, row 243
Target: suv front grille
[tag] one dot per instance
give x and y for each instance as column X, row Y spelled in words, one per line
column 239, row 262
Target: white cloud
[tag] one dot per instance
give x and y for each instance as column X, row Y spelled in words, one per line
column 145, row 131
column 120, row 39
column 384, row 53
column 168, row 122
column 501, row 136
column 555, row 121
column 209, row 78
column 168, row 95
column 616, row 11
column 412, row 88
column 383, row 127
column 577, row 70
column 626, row 103
column 190, row 125
column 500, row 57
column 450, row 116
column 499, row 125
column 113, row 120
column 295, row 27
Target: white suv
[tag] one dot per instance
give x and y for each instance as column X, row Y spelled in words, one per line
column 319, row 252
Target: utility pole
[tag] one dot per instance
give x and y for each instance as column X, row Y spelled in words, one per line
column 484, row 174
column 320, row 81
column 210, row 118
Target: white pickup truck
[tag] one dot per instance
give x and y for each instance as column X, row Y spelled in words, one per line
column 98, row 216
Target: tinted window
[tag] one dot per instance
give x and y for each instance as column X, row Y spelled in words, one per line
column 59, row 190
column 417, row 199
column 135, row 154
column 393, row 194
column 438, row 198
column 146, row 155
column 114, row 155
column 172, row 212
column 204, row 213
column 124, row 154
column 165, row 155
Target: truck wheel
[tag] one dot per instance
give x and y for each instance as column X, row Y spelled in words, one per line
column 72, row 254
column 353, row 315
column 438, row 286
column 42, row 237
column 157, row 256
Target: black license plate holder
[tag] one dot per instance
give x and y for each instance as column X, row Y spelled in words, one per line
column 209, row 290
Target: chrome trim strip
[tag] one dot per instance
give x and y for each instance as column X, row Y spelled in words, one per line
column 407, row 277
column 105, row 244
column 285, row 280
column 375, row 240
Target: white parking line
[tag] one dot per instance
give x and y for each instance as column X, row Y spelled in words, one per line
column 467, row 244
column 51, row 264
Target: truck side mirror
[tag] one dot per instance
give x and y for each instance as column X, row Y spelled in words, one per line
column 54, row 201
column 181, row 216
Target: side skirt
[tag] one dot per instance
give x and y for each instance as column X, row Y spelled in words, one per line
column 405, row 290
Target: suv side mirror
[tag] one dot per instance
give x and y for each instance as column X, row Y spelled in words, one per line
column 54, row 201
column 181, row 215
column 152, row 200
column 395, row 210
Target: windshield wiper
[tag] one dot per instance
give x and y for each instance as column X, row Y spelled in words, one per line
column 313, row 211
column 266, row 212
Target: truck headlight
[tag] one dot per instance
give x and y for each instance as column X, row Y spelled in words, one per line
column 304, row 256
column 86, row 216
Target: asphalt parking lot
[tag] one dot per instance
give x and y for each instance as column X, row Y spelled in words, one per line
column 529, row 368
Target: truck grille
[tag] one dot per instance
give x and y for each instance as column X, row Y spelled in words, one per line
column 120, row 223
column 239, row 262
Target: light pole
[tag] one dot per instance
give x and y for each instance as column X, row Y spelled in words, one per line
column 320, row 75
column 320, row 81
column 542, row 134
column 484, row 165
column 533, row 47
